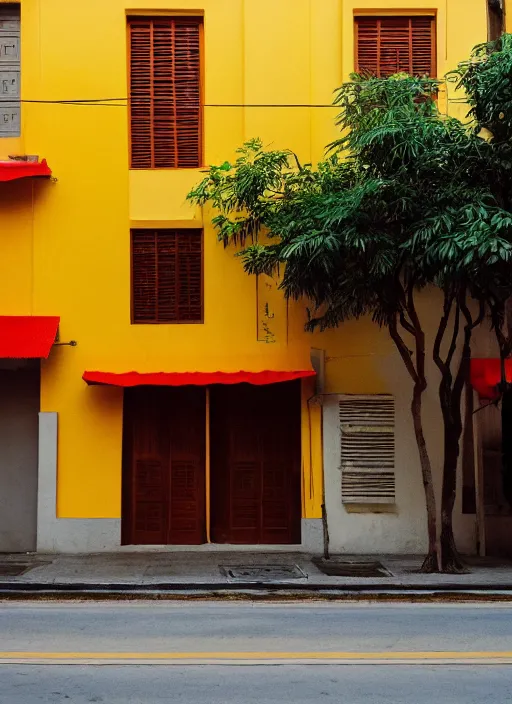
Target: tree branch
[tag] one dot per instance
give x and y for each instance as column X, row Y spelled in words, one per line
column 443, row 324
column 455, row 335
column 406, row 324
column 402, row 349
column 504, row 341
column 419, row 335
column 461, row 376
column 481, row 314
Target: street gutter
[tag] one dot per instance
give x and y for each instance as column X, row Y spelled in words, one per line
column 254, row 591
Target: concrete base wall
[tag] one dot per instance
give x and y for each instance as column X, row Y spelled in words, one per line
column 80, row 535
column 65, row 534
column 19, row 406
column 88, row 535
column 313, row 535
column 400, row 528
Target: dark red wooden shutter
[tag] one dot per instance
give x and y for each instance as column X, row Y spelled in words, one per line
column 146, row 464
column 165, row 92
column 255, row 463
column 164, row 466
column 167, row 276
column 423, row 31
column 187, row 430
column 388, row 45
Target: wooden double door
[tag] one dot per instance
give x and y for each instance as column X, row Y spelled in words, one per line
column 254, row 468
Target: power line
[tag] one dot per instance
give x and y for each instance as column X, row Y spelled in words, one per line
column 123, row 102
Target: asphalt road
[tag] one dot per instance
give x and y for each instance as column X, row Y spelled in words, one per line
column 238, row 653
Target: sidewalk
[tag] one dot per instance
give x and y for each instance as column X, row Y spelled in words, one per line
column 149, row 572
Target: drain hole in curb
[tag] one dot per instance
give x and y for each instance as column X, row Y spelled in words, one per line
column 346, row 568
column 14, row 570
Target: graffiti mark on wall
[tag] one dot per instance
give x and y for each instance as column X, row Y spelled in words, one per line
column 272, row 319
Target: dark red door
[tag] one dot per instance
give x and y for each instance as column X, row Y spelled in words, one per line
column 255, row 463
column 164, row 466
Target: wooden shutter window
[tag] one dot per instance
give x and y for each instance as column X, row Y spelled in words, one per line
column 167, row 276
column 367, row 436
column 165, row 92
column 388, row 45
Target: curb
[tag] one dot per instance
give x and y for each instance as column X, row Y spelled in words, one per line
column 230, row 590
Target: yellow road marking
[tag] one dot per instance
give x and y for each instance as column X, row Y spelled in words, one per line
column 220, row 656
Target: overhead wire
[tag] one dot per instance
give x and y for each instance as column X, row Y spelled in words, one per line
column 124, row 102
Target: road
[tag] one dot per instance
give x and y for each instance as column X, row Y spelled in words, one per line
column 254, row 653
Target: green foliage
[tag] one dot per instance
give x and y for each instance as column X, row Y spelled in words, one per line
column 487, row 79
column 406, row 197
column 244, row 192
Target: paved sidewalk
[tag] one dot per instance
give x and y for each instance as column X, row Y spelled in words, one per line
column 237, row 571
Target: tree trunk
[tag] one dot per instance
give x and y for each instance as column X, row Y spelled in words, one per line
column 417, row 373
column 450, row 398
column 450, row 558
column 431, row 562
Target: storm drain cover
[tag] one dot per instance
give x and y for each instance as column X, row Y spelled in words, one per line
column 345, row 568
column 262, row 573
column 14, row 570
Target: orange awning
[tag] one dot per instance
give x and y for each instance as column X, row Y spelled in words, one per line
column 27, row 336
column 486, row 375
column 193, row 378
column 14, row 169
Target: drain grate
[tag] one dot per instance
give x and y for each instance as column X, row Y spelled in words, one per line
column 262, row 573
column 346, row 568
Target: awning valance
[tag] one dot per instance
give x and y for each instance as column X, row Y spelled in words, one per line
column 193, row 378
column 486, row 375
column 27, row 336
column 14, row 169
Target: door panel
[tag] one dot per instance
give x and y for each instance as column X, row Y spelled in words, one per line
column 146, row 471
column 164, row 466
column 19, row 408
column 256, row 464
column 149, row 502
column 187, row 515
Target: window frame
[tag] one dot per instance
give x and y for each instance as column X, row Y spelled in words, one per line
column 405, row 14
column 155, row 16
column 133, row 321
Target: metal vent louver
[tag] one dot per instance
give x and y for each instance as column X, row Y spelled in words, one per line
column 367, row 430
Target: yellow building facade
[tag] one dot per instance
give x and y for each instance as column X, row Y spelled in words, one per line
column 269, row 69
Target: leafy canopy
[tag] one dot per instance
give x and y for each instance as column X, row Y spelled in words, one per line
column 403, row 199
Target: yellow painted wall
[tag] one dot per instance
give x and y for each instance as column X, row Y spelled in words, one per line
column 66, row 251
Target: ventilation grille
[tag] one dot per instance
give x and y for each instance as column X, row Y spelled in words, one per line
column 367, row 430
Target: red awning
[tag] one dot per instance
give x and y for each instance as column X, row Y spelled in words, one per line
column 192, row 378
column 486, row 375
column 27, row 336
column 13, row 169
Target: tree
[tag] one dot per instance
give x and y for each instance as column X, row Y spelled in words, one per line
column 487, row 79
column 404, row 201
